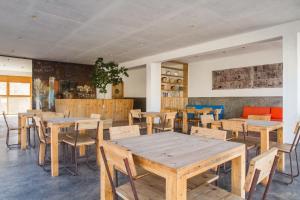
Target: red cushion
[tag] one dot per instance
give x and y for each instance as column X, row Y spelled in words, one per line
column 252, row 110
column 276, row 113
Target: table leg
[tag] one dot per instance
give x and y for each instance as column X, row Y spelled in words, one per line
column 19, row 130
column 99, row 141
column 130, row 120
column 281, row 163
column 238, row 173
column 42, row 149
column 185, row 126
column 176, row 188
column 54, row 151
column 23, row 133
column 149, row 121
column 264, row 146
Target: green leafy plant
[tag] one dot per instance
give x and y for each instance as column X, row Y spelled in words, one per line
column 107, row 73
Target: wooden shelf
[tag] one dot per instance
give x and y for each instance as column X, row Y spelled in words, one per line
column 172, row 68
column 171, row 76
column 178, row 84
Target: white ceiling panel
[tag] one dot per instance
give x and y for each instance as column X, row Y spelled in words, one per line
column 80, row 31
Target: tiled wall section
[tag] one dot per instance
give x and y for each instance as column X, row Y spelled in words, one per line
column 234, row 105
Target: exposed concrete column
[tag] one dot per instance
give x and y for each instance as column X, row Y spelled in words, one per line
column 291, row 83
column 153, row 81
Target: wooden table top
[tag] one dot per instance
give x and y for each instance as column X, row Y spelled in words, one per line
column 176, row 150
column 262, row 123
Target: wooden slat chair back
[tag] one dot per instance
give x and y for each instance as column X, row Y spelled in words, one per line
column 168, row 119
column 51, row 115
column 136, row 113
column 34, row 111
column 120, row 132
column 206, row 119
column 209, row 133
column 40, row 128
column 6, row 121
column 260, row 117
column 87, row 124
column 297, row 137
column 216, row 113
column 95, row 116
column 261, row 167
column 234, row 125
column 67, row 113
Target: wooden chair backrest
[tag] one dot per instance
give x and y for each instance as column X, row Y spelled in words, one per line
column 120, row 132
column 136, row 113
column 87, row 124
column 234, row 125
column 34, row 111
column 260, row 117
column 264, row 163
column 115, row 156
column 216, row 113
column 206, row 110
column 297, row 136
column 95, row 116
column 207, row 119
column 168, row 119
column 51, row 115
column 5, row 119
column 209, row 133
column 40, row 128
column 67, row 113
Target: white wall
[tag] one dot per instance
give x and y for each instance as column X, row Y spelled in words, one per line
column 15, row 66
column 135, row 84
column 200, row 74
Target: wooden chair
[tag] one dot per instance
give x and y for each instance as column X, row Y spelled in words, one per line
column 78, row 140
column 137, row 119
column 34, row 111
column 260, row 117
column 209, row 176
column 166, row 122
column 236, row 127
column 9, row 129
column 194, row 120
column 67, row 113
column 261, row 167
column 206, row 120
column 44, row 141
column 95, row 116
column 216, row 113
column 288, row 149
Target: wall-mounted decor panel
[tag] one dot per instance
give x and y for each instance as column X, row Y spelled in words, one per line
column 261, row 76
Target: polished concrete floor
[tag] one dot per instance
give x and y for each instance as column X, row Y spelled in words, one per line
column 22, row 178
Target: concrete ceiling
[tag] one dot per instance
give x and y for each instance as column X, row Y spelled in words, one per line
column 81, row 30
column 245, row 49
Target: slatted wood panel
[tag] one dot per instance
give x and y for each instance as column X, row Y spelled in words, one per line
column 116, row 109
column 175, row 103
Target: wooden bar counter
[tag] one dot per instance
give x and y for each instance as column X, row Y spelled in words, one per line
column 115, row 109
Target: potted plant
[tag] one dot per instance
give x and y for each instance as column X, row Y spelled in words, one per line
column 107, row 73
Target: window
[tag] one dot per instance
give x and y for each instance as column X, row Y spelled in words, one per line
column 3, row 88
column 21, row 89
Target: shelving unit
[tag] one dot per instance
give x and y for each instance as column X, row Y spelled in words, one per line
column 174, row 79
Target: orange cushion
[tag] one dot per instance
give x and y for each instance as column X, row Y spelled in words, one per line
column 252, row 110
column 276, row 113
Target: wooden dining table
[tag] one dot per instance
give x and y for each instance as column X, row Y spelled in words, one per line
column 178, row 157
column 263, row 128
column 56, row 124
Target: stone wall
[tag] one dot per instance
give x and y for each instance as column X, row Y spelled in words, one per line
column 234, row 105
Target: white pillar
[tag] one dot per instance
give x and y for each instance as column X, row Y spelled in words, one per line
column 153, row 81
column 291, row 83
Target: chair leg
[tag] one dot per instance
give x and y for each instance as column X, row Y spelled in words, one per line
column 76, row 161
column 34, row 141
column 291, row 166
column 7, row 139
column 297, row 163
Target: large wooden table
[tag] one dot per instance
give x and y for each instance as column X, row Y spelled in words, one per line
column 177, row 157
column 264, row 128
column 55, row 125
